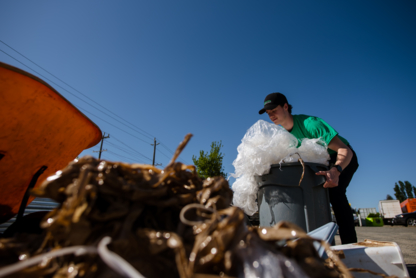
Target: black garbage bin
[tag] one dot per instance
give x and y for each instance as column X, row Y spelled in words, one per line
column 280, row 197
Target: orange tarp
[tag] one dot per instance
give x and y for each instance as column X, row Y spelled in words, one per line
column 38, row 127
column 408, row 205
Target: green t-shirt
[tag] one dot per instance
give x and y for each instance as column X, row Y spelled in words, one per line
column 313, row 127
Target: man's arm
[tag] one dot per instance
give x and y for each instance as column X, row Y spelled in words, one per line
column 344, row 155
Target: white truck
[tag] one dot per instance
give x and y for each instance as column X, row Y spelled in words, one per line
column 389, row 209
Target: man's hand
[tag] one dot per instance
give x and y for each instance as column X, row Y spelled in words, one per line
column 344, row 155
column 331, row 176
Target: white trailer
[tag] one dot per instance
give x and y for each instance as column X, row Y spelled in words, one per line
column 389, row 209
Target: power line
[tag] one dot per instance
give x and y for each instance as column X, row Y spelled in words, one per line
column 124, row 150
column 80, row 99
column 163, row 145
column 132, row 159
column 163, row 154
column 129, row 158
column 130, row 148
column 112, row 125
column 70, row 93
column 149, row 135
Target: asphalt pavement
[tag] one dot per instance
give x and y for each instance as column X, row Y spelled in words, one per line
column 405, row 237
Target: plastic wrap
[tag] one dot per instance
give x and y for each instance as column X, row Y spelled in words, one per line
column 265, row 144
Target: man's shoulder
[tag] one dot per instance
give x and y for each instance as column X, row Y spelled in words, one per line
column 303, row 117
column 309, row 122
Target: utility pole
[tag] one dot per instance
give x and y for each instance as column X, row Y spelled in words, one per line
column 154, row 150
column 101, row 147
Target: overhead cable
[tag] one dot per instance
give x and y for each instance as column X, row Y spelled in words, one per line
column 82, row 109
column 129, row 158
column 126, row 151
column 147, row 134
column 163, row 145
column 158, row 151
column 71, row 94
column 130, row 147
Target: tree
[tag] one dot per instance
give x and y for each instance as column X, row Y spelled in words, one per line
column 210, row 164
column 388, row 197
column 408, row 187
column 404, row 190
column 398, row 193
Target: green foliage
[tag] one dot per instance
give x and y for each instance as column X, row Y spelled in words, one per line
column 398, row 193
column 404, row 190
column 388, row 197
column 210, row 164
column 408, row 187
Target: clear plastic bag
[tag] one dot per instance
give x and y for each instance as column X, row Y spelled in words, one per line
column 265, row 144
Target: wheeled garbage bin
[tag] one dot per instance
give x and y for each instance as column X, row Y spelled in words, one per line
column 281, row 197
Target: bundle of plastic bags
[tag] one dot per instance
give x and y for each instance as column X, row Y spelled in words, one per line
column 265, row 144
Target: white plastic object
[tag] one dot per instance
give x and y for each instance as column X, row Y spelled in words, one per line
column 379, row 256
column 326, row 233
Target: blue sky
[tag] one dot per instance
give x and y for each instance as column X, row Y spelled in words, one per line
column 204, row 67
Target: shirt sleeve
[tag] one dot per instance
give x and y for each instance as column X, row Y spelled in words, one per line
column 318, row 128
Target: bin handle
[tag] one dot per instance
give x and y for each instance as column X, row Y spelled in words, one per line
column 303, row 171
column 303, row 167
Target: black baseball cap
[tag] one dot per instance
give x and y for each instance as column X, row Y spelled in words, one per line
column 272, row 101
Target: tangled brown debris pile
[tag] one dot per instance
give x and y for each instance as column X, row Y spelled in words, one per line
column 164, row 223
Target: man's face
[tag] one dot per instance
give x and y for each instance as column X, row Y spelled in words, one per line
column 279, row 114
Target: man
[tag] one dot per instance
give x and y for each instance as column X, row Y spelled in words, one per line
column 343, row 162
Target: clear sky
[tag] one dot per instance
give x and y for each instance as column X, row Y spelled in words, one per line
column 204, row 67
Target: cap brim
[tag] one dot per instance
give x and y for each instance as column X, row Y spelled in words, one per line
column 268, row 107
